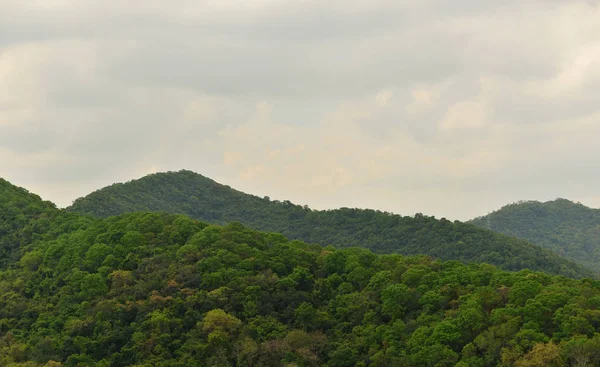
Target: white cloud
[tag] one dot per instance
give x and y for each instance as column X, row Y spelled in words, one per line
column 384, row 97
column 469, row 114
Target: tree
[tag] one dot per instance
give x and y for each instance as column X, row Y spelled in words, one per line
column 220, row 322
column 32, row 260
column 394, row 298
column 93, row 285
column 542, row 355
column 306, row 316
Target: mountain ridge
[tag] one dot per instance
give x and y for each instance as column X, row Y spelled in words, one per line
column 157, row 289
column 568, row 228
column 189, row 193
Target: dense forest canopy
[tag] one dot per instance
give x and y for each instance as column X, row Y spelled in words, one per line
column 21, row 215
column 201, row 198
column 567, row 228
column 161, row 290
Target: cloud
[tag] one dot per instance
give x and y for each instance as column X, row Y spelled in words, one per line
column 445, row 108
column 465, row 115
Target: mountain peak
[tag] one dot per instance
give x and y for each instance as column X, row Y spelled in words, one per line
column 189, row 193
column 566, row 227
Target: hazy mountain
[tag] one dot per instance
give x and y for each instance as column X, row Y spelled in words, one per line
column 201, row 198
column 567, row 228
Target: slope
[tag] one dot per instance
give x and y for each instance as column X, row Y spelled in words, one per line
column 153, row 289
column 189, row 193
column 18, row 210
column 567, row 228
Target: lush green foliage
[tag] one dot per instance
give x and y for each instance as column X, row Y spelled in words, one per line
column 152, row 289
column 23, row 218
column 188, row 193
column 567, row 228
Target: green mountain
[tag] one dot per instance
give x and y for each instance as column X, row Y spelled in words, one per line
column 164, row 290
column 26, row 219
column 201, row 198
column 567, row 228
column 18, row 210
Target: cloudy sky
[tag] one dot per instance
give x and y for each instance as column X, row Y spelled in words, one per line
column 449, row 108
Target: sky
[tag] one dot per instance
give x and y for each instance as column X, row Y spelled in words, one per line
column 447, row 108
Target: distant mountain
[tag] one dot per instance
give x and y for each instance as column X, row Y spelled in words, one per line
column 186, row 192
column 567, row 228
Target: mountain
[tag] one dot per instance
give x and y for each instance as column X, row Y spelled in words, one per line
column 188, row 193
column 164, row 290
column 567, row 228
column 19, row 210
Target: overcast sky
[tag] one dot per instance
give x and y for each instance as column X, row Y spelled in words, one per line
column 449, row 108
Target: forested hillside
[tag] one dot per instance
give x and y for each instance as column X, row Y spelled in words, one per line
column 189, row 193
column 22, row 216
column 160, row 290
column 567, row 228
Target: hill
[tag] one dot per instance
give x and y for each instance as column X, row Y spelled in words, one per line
column 201, row 198
column 19, row 210
column 153, row 289
column 567, row 228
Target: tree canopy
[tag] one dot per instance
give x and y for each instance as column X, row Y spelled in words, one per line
column 23, row 218
column 157, row 289
column 154, row 289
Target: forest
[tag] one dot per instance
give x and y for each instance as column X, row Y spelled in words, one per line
column 567, row 228
column 158, row 289
column 201, row 198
